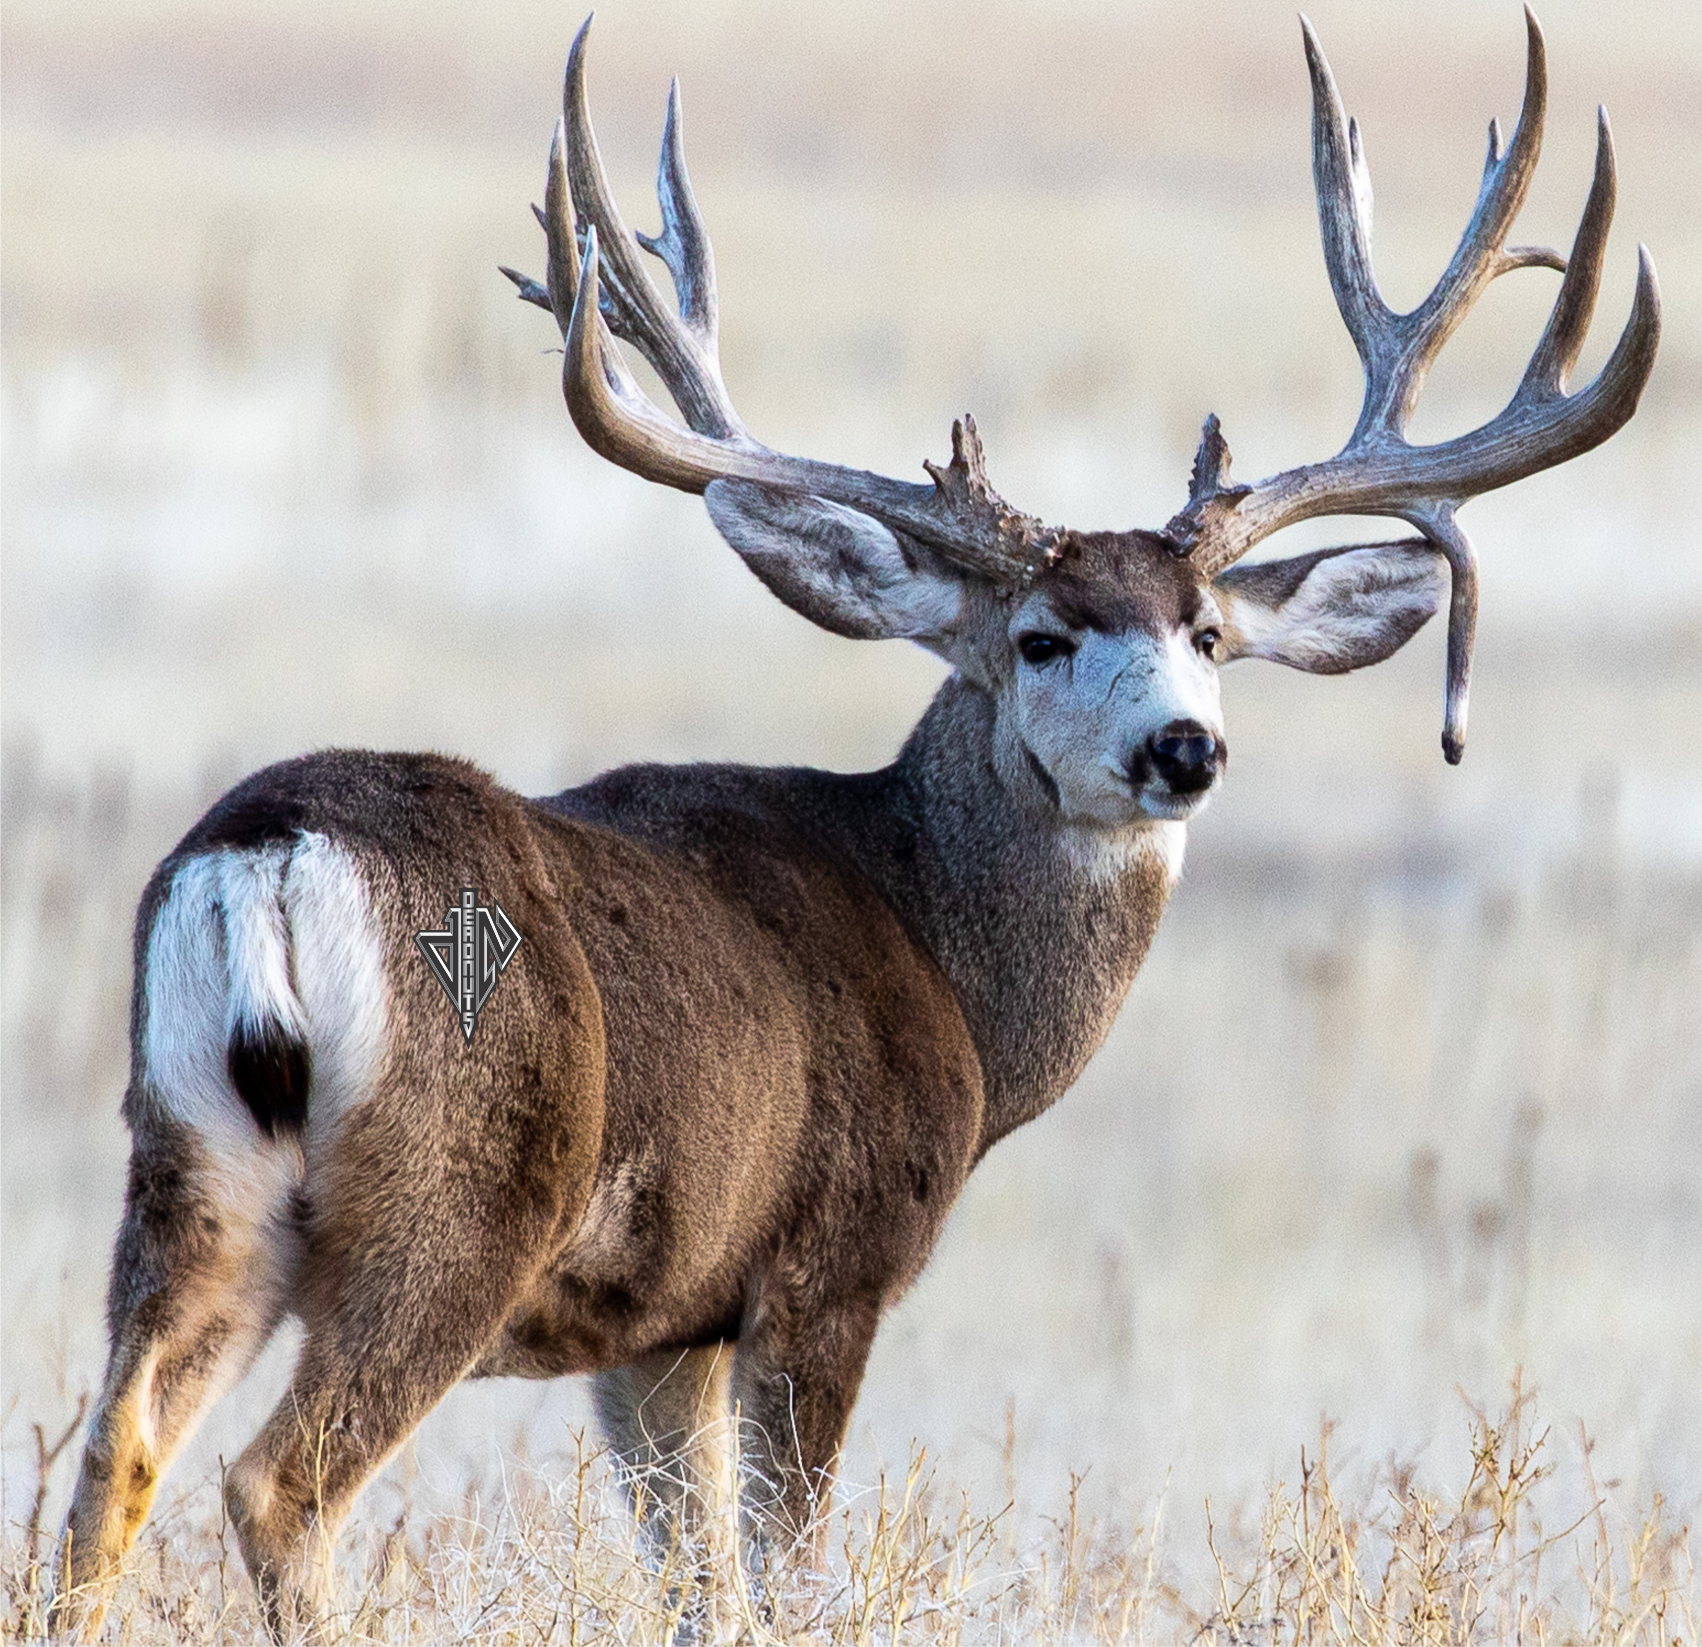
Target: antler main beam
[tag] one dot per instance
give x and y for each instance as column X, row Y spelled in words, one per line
column 598, row 288
column 1379, row 472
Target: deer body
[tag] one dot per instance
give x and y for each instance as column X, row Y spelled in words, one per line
column 860, row 972
column 761, row 1024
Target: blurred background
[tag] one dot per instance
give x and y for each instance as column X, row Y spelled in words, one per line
column 1409, row 1094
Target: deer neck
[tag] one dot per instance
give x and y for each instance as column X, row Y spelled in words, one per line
column 1040, row 927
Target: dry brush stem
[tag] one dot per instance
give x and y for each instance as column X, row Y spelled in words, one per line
column 1420, row 1569
column 47, row 1455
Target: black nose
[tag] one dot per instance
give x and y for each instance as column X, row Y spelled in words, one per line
column 1186, row 756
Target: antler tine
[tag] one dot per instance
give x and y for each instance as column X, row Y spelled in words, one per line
column 1569, row 321
column 1480, row 255
column 1540, row 427
column 616, row 418
column 555, row 218
column 598, row 286
column 960, row 516
column 1343, row 185
column 1438, row 524
column 562, row 250
column 1378, row 472
column 683, row 243
column 633, row 306
column 1397, row 350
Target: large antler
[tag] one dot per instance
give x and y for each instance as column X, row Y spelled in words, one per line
column 1379, row 472
column 597, row 283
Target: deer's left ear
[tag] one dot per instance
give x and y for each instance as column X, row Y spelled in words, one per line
column 1333, row 610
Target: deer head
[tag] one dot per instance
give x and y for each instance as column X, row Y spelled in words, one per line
column 1101, row 649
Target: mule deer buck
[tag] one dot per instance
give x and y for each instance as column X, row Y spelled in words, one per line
column 728, row 1041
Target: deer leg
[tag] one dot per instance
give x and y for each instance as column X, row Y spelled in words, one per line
column 669, row 1420
column 368, row 1374
column 795, row 1381
column 200, row 1278
column 419, row 1242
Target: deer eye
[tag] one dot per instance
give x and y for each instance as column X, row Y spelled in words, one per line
column 1039, row 649
column 1208, row 642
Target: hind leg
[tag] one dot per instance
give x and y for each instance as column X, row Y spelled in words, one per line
column 372, row 1367
column 290, row 1491
column 669, row 1421
column 420, row 1240
column 199, row 1281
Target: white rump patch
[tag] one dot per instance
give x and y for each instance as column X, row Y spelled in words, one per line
column 246, row 938
column 339, row 974
column 256, row 942
column 216, row 958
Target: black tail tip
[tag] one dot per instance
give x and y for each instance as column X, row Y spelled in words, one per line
column 269, row 1069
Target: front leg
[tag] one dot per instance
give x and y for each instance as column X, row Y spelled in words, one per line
column 796, row 1374
column 669, row 1420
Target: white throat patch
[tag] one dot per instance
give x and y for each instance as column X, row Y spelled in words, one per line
column 1101, row 855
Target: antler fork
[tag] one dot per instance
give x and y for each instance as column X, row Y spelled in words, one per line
column 597, row 284
column 1379, row 472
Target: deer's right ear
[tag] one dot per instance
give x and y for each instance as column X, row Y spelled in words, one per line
column 835, row 565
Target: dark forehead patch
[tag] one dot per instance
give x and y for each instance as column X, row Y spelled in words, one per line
column 1116, row 581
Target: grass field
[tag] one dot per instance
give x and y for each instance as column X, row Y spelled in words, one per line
column 1407, row 1103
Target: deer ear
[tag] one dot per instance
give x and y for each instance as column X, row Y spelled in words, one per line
column 836, row 566
column 1333, row 610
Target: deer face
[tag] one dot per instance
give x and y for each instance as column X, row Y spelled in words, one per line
column 1106, row 687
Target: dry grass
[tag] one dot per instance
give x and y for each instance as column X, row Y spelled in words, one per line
column 550, row 1556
